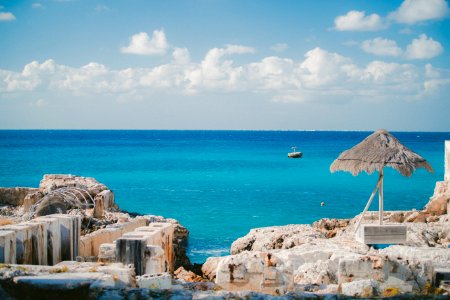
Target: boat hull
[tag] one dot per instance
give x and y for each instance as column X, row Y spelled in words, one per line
column 295, row 155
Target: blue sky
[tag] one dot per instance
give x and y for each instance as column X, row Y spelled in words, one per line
column 212, row 64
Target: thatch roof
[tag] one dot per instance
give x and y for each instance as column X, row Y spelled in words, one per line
column 376, row 151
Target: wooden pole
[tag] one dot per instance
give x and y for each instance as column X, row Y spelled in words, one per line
column 380, row 199
column 368, row 204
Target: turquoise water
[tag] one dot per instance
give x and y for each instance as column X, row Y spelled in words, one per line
column 219, row 184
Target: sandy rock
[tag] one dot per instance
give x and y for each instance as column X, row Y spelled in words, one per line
column 441, row 198
column 187, row 276
column 330, row 227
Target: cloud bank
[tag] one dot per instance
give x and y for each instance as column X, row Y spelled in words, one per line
column 320, row 76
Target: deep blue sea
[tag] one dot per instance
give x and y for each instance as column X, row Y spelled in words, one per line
column 220, row 184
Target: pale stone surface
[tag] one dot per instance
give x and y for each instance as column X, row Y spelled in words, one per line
column 70, row 230
column 107, row 252
column 24, row 243
column 7, row 247
column 90, row 243
column 209, row 268
column 167, row 232
column 362, row 288
column 255, row 271
column 39, row 242
column 275, row 237
column 53, row 239
column 154, row 260
column 335, row 261
column 157, row 281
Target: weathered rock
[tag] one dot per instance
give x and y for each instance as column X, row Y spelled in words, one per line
column 276, row 237
column 187, row 276
column 180, row 240
column 209, row 268
column 156, row 281
column 330, row 227
column 14, row 196
column 255, row 271
column 362, row 288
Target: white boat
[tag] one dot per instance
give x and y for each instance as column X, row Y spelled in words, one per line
column 294, row 154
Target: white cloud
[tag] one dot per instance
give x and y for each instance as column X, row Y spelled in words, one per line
column 279, row 47
column 320, row 75
column 141, row 44
column 423, row 48
column 6, row 16
column 358, row 21
column 414, row 11
column 37, row 5
column 102, row 8
column 382, row 47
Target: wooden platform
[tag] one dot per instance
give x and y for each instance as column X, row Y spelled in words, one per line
column 382, row 234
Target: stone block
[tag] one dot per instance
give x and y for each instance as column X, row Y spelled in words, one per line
column 154, row 234
column 53, row 239
column 154, row 260
column 167, row 231
column 156, row 281
column 99, row 207
column 107, row 253
column 132, row 251
column 7, row 246
column 39, row 242
column 70, row 230
column 24, row 243
column 90, row 243
column 381, row 234
column 107, row 199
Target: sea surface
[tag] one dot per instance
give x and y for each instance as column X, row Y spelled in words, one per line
column 220, row 184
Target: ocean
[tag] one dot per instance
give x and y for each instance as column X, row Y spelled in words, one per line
column 220, row 184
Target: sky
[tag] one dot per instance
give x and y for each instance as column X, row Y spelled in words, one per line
column 216, row 64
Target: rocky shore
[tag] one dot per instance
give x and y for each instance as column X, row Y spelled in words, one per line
column 68, row 239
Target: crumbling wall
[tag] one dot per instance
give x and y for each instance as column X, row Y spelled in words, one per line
column 14, row 196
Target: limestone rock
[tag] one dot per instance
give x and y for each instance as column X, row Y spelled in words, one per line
column 276, row 237
column 330, row 227
column 209, row 268
column 362, row 288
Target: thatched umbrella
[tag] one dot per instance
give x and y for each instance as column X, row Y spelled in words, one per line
column 376, row 151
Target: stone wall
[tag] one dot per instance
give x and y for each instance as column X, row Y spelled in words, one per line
column 45, row 240
column 14, row 196
column 90, row 243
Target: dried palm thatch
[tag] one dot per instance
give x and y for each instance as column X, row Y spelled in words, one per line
column 376, row 151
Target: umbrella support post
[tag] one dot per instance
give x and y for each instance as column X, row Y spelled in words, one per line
column 380, row 198
column 369, row 202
